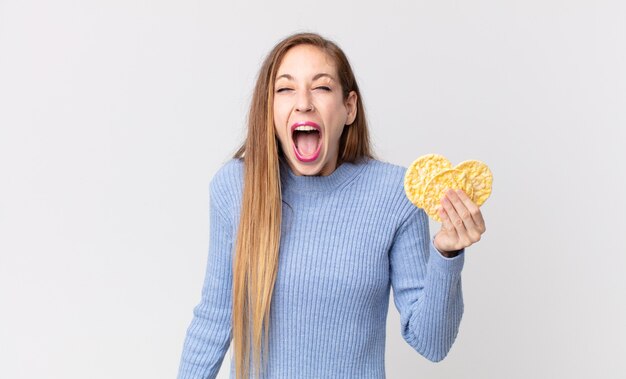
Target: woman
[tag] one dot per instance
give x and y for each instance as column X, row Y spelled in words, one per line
column 309, row 231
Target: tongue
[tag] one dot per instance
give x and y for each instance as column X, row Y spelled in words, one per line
column 306, row 143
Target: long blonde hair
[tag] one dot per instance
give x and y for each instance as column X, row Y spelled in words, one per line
column 258, row 236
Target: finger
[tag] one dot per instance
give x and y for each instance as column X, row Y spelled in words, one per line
column 472, row 231
column 446, row 223
column 457, row 221
column 474, row 210
column 461, row 209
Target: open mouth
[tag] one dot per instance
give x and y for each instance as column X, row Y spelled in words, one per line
column 307, row 141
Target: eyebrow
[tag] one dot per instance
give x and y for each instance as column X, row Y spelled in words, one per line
column 317, row 76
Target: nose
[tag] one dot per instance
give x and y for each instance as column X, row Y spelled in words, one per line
column 303, row 103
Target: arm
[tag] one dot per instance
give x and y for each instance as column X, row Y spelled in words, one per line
column 447, row 254
column 426, row 287
column 209, row 334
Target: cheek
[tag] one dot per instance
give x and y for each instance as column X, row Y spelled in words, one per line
column 280, row 131
column 278, row 118
column 281, row 113
column 340, row 116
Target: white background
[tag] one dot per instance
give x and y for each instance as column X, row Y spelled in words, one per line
column 114, row 115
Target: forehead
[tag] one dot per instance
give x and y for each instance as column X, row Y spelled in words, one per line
column 305, row 61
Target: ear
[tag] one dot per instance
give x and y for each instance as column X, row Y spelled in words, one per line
column 351, row 107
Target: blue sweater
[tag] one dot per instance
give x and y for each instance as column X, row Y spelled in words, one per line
column 346, row 240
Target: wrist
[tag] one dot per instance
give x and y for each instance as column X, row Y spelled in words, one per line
column 447, row 254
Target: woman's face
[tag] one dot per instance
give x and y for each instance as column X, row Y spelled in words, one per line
column 307, row 93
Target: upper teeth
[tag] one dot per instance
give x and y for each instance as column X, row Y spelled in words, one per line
column 305, row 128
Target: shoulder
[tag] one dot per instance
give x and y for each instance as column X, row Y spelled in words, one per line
column 386, row 179
column 228, row 175
column 384, row 176
column 383, row 170
column 226, row 185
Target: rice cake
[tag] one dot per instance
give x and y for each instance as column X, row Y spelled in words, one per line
column 481, row 178
column 436, row 189
column 429, row 177
column 420, row 172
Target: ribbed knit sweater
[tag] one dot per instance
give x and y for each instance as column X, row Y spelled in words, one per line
column 346, row 240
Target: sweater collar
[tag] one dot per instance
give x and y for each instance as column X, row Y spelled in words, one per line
column 318, row 184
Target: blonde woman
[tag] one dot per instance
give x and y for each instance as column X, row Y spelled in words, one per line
column 309, row 232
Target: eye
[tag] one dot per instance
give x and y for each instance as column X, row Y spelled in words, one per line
column 324, row 88
column 283, row 89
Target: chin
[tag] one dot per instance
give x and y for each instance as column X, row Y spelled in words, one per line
column 304, row 169
column 308, row 169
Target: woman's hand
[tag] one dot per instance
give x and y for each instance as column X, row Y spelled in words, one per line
column 462, row 224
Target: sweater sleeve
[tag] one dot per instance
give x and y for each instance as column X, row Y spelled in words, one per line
column 426, row 288
column 209, row 334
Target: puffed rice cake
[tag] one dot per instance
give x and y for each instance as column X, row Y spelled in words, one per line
column 428, row 178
